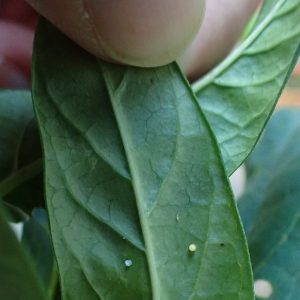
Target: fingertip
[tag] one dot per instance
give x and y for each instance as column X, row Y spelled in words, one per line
column 223, row 25
column 16, row 46
column 145, row 33
column 11, row 76
column 136, row 32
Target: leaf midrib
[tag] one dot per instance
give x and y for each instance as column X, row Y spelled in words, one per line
column 84, row 136
column 206, row 80
column 69, row 190
column 135, row 184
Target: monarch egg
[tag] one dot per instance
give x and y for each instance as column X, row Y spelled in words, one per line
column 192, row 248
column 128, row 263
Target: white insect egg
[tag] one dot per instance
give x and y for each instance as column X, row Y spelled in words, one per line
column 128, row 263
column 263, row 289
column 192, row 248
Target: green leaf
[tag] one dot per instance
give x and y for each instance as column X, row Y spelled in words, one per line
column 264, row 10
column 36, row 239
column 20, row 151
column 16, row 114
column 15, row 213
column 24, row 188
column 17, row 277
column 133, row 178
column 20, row 176
column 269, row 153
column 275, row 223
column 239, row 95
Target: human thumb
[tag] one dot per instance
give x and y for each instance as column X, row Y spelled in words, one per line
column 144, row 33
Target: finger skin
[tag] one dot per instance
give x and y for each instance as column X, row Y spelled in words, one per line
column 136, row 32
column 16, row 44
column 17, row 11
column 223, row 24
column 11, row 76
column 17, row 22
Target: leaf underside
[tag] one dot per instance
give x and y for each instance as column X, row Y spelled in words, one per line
column 133, row 175
column 239, row 95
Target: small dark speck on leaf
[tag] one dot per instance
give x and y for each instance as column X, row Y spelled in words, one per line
column 222, row 244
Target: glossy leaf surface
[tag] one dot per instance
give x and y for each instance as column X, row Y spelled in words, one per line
column 134, row 177
column 271, row 208
column 239, row 95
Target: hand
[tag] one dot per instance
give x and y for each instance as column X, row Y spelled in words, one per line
column 17, row 22
column 136, row 32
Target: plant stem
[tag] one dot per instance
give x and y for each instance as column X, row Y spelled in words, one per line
column 20, row 176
